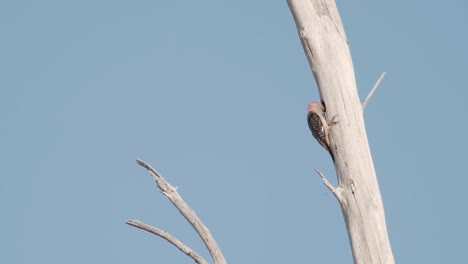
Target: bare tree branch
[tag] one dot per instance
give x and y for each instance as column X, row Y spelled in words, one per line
column 169, row 238
column 373, row 90
column 335, row 191
column 170, row 192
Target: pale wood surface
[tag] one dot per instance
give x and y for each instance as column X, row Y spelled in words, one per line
column 171, row 193
column 325, row 44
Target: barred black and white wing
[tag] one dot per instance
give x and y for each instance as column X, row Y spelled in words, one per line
column 319, row 128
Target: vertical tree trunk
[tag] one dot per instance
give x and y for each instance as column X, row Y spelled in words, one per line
column 325, row 44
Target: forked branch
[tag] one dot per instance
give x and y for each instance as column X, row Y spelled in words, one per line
column 170, row 192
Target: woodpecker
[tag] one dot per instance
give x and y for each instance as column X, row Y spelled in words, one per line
column 319, row 126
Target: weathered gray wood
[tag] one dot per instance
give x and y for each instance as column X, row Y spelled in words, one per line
column 326, row 47
column 171, row 193
column 169, row 238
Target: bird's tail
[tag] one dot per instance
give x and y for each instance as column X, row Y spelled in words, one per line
column 331, row 154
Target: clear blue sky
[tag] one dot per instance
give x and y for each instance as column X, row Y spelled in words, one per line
column 213, row 94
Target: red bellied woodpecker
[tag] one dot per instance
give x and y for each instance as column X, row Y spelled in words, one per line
column 319, row 126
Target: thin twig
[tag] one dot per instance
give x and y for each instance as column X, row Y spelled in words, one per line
column 169, row 238
column 334, row 190
column 170, row 192
column 373, row 90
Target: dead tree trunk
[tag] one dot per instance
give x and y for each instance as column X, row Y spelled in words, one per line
column 325, row 44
